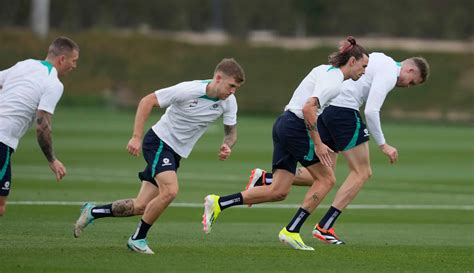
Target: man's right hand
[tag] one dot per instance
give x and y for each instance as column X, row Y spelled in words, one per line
column 390, row 151
column 134, row 146
column 58, row 169
column 323, row 153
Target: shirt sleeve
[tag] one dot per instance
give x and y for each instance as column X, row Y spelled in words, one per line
column 327, row 86
column 174, row 94
column 230, row 112
column 3, row 76
column 51, row 97
column 381, row 85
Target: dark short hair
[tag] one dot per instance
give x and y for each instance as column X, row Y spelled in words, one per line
column 62, row 45
column 231, row 68
column 348, row 48
column 422, row 66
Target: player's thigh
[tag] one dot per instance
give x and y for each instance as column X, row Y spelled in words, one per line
column 147, row 192
column 320, row 172
column 167, row 181
column 358, row 158
column 3, row 204
column 282, row 180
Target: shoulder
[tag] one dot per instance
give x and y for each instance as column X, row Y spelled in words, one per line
column 380, row 59
column 229, row 103
column 330, row 73
column 191, row 87
column 383, row 65
column 231, row 100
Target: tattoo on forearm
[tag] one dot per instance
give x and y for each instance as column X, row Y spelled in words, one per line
column 230, row 135
column 123, row 208
column 311, row 126
column 43, row 135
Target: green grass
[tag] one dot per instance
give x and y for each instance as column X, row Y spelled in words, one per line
column 435, row 168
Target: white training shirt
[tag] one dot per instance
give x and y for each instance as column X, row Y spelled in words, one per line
column 27, row 86
column 323, row 82
column 189, row 113
column 379, row 79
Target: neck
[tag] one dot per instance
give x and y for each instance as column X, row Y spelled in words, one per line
column 52, row 61
column 49, row 59
column 211, row 91
column 345, row 71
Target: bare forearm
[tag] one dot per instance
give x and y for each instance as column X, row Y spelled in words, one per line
column 143, row 112
column 230, row 135
column 43, row 135
column 311, row 117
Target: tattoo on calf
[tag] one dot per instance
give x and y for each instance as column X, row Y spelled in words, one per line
column 315, row 198
column 123, row 208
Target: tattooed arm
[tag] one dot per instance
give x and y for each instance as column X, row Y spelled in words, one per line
column 310, row 115
column 230, row 138
column 43, row 135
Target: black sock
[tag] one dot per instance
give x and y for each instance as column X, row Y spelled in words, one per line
column 231, row 200
column 268, row 178
column 102, row 211
column 141, row 231
column 330, row 218
column 298, row 220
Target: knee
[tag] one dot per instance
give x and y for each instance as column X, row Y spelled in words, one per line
column 169, row 194
column 279, row 195
column 364, row 174
column 329, row 181
column 139, row 207
column 368, row 174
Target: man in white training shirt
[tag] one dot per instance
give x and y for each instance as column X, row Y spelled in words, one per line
column 190, row 107
column 342, row 129
column 30, row 90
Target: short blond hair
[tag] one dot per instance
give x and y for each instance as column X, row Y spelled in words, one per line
column 62, row 45
column 231, row 68
column 422, row 66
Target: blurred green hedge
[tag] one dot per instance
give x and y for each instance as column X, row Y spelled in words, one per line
column 118, row 69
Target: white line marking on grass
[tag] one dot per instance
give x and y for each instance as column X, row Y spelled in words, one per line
column 270, row 206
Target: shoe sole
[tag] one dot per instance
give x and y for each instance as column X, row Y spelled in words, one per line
column 324, row 240
column 134, row 249
column 252, row 175
column 285, row 240
column 77, row 229
column 249, row 184
column 206, row 227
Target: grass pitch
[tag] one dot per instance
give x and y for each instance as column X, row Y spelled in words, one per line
column 415, row 216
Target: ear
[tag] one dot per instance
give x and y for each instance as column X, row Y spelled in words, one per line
column 218, row 77
column 352, row 60
column 61, row 58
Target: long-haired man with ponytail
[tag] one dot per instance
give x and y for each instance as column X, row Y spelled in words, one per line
column 296, row 139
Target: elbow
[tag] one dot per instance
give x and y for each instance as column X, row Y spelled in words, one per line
column 149, row 101
column 370, row 113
